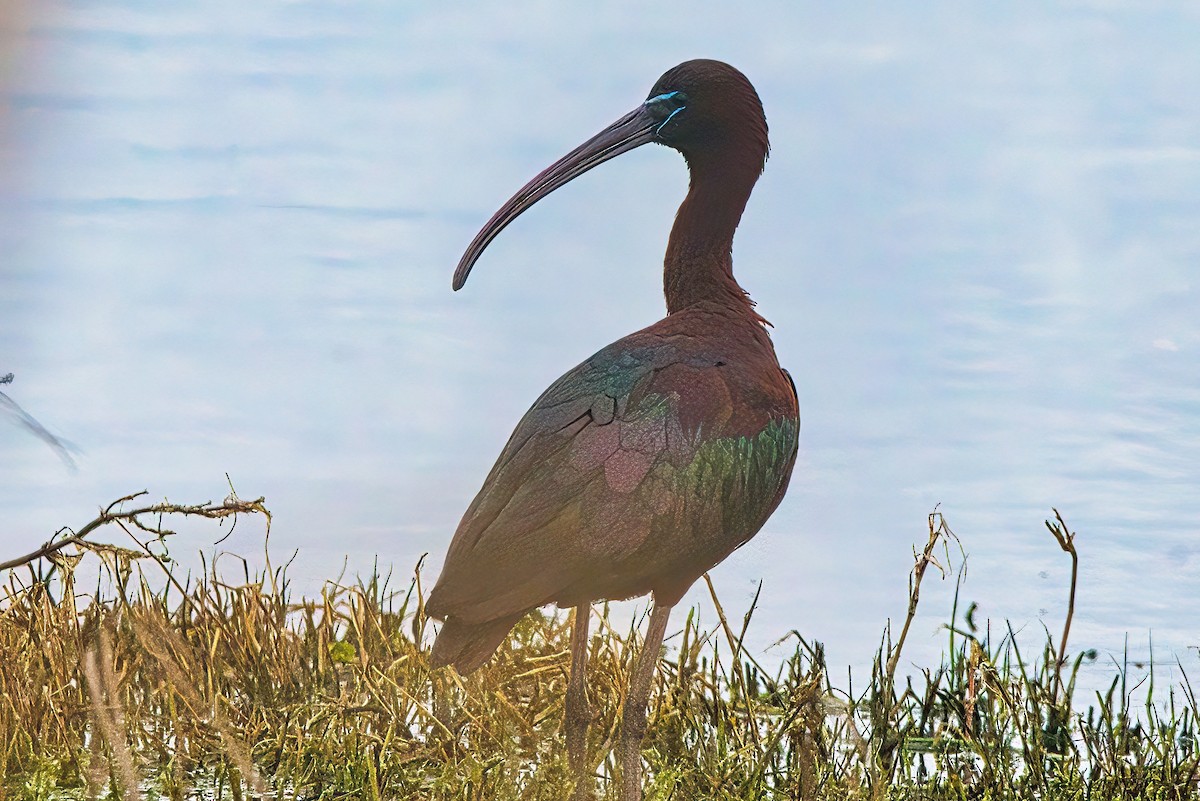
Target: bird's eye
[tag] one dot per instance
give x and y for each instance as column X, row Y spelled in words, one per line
column 668, row 100
column 666, row 107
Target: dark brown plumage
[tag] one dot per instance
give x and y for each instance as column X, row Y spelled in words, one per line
column 650, row 462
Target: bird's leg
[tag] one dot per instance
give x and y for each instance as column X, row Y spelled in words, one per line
column 633, row 716
column 578, row 713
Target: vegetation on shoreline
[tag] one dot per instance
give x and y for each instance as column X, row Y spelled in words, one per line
column 213, row 687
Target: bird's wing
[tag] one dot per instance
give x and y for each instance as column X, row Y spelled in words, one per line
column 590, row 435
column 583, row 476
column 24, row 419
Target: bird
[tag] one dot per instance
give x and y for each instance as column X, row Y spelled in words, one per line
column 646, row 465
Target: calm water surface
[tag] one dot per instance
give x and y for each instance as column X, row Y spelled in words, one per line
column 228, row 234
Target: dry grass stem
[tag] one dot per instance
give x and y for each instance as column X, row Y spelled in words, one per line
column 226, row 684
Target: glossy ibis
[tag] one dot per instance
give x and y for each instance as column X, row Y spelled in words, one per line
column 653, row 460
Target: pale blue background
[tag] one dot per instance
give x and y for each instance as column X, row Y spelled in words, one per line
column 228, row 231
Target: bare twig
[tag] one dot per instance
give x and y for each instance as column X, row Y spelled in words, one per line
column 230, row 507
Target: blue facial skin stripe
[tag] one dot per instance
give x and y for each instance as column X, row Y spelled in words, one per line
column 658, row 130
column 657, row 98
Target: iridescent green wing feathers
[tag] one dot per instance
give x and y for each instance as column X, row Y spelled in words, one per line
column 632, row 445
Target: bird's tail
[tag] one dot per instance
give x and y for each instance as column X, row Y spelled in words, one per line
column 468, row 645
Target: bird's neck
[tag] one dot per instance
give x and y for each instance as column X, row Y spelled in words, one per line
column 699, row 263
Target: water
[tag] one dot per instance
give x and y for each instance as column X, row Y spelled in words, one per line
column 228, row 235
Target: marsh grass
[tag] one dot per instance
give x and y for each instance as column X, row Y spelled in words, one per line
column 152, row 684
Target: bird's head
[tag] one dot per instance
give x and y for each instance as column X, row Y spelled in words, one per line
column 705, row 109
column 708, row 108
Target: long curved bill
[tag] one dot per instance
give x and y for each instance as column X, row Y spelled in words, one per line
column 633, row 130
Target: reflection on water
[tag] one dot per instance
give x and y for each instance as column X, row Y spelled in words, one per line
column 229, row 234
